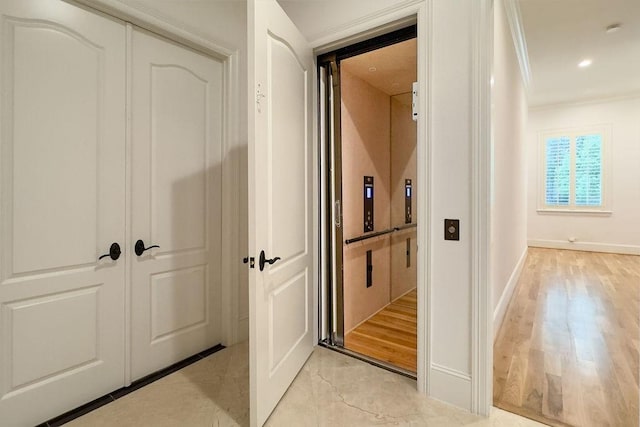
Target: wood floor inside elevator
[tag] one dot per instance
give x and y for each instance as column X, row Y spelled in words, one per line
column 390, row 335
column 567, row 352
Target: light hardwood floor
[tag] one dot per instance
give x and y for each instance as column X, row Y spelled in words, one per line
column 390, row 335
column 567, row 352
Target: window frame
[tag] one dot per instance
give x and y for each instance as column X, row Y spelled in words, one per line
column 572, row 133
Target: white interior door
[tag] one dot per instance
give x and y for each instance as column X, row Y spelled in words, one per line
column 280, row 204
column 62, row 178
column 176, row 194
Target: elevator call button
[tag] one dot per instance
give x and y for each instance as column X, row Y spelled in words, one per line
column 451, row 229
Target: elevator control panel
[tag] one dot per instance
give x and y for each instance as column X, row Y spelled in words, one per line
column 408, row 191
column 368, row 203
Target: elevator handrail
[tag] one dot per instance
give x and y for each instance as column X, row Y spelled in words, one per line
column 379, row 233
column 404, row 227
column 369, row 236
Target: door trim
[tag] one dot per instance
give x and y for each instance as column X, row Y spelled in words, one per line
column 481, row 294
column 148, row 19
column 331, row 328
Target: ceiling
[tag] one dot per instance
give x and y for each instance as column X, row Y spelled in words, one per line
column 391, row 69
column 561, row 33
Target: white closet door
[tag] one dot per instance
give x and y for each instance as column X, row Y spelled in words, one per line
column 281, row 131
column 176, row 173
column 62, row 179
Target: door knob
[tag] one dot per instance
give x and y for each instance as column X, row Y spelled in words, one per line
column 114, row 252
column 139, row 247
column 264, row 259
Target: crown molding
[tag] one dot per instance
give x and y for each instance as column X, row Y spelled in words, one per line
column 585, row 101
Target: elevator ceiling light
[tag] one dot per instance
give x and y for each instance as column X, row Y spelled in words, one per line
column 584, row 63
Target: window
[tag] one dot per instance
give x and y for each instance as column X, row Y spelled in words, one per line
column 574, row 170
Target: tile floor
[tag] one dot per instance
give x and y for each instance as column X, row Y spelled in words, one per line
column 331, row 390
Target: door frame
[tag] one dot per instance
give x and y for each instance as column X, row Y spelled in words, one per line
column 231, row 121
column 481, row 327
column 418, row 13
column 331, row 327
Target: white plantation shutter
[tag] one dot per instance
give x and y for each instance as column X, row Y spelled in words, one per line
column 588, row 170
column 573, row 169
column 558, row 171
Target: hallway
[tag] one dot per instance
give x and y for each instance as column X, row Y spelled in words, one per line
column 567, row 353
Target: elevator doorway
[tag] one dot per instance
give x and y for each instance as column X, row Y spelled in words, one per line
column 369, row 166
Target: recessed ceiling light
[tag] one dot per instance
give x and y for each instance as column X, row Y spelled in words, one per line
column 613, row 28
column 584, row 63
column 372, row 69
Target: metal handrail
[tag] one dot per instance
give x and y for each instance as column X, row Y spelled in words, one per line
column 369, row 236
column 404, row 227
column 378, row 233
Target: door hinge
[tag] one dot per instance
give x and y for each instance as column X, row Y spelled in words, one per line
column 250, row 260
column 259, row 96
column 414, row 101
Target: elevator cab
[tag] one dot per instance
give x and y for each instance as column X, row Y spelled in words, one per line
column 368, row 289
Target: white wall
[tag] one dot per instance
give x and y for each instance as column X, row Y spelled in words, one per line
column 618, row 232
column 450, row 187
column 224, row 23
column 509, row 183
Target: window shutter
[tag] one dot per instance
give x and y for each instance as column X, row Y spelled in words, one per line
column 589, row 170
column 558, row 171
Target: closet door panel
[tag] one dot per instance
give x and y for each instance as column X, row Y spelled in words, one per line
column 177, row 143
column 62, row 176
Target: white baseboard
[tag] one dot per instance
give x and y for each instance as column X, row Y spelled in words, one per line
column 450, row 386
column 505, row 298
column 586, row 246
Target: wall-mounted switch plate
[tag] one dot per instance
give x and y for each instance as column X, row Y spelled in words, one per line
column 451, row 229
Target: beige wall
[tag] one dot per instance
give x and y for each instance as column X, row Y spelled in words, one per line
column 403, row 166
column 365, row 151
column 379, row 140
